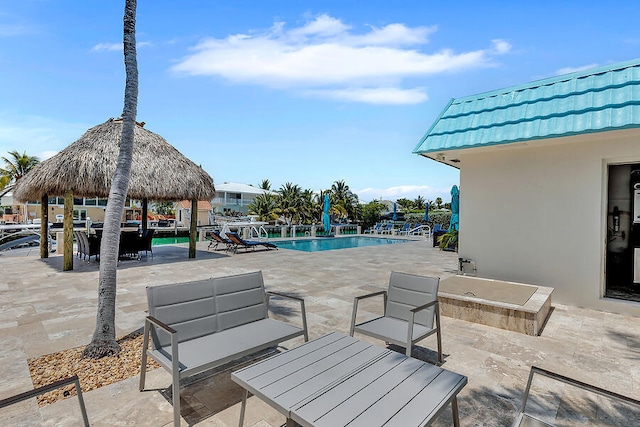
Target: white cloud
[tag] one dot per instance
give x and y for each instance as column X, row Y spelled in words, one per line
column 112, row 47
column 38, row 136
column 568, row 70
column 326, row 57
column 410, row 192
column 380, row 95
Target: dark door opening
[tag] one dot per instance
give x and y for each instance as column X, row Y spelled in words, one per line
column 622, row 267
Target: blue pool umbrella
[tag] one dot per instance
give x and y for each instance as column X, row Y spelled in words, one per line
column 326, row 219
column 395, row 217
column 455, row 208
column 426, row 214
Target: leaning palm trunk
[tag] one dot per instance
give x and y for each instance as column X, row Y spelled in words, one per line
column 104, row 341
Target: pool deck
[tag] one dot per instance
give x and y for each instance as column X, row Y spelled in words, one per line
column 44, row 310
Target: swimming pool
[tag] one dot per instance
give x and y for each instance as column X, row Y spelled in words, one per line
column 332, row 243
column 159, row 241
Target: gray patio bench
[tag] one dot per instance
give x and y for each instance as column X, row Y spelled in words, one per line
column 200, row 325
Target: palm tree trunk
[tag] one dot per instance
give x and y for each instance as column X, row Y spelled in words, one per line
column 104, row 342
column 193, row 228
column 67, row 262
column 44, row 226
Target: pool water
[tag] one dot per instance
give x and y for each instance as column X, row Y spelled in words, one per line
column 328, row 244
column 157, row 241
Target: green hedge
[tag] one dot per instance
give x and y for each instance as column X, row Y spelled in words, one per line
column 438, row 217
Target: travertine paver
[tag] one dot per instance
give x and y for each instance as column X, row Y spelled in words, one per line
column 43, row 310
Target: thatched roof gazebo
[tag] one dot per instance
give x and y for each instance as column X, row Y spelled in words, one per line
column 86, row 167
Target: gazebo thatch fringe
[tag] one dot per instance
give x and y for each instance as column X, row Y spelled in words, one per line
column 86, row 167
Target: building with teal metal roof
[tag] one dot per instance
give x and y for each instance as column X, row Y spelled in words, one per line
column 596, row 100
column 548, row 178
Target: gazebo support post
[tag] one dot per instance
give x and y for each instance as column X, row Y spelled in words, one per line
column 67, row 263
column 145, row 209
column 44, row 226
column 193, row 228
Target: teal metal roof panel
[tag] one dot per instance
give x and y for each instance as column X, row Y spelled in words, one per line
column 596, row 100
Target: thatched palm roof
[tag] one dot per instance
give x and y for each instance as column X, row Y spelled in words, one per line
column 87, row 166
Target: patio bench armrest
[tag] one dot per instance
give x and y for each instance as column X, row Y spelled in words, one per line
column 355, row 307
column 164, row 326
column 303, row 311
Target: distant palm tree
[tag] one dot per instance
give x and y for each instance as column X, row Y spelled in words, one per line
column 103, row 343
column 405, row 204
column 342, row 196
column 265, row 206
column 419, row 203
column 438, row 202
column 265, row 185
column 309, row 209
column 290, row 202
column 16, row 166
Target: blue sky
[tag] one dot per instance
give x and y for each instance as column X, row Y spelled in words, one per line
column 308, row 92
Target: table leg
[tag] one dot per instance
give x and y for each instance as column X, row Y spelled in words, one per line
column 454, row 409
column 243, row 407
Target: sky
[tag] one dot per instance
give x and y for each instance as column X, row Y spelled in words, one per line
column 307, row 92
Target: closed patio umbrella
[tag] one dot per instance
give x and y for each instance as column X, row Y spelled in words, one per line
column 395, row 217
column 426, row 214
column 455, row 208
column 326, row 219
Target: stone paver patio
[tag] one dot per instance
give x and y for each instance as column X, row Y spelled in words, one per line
column 44, row 310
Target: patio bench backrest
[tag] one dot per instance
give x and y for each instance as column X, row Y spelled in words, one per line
column 199, row 308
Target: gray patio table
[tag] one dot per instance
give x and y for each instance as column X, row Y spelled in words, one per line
column 338, row 380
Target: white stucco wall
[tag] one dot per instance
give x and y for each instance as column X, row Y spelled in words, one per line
column 535, row 213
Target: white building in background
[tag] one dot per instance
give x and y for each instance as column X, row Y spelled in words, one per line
column 234, row 197
column 547, row 172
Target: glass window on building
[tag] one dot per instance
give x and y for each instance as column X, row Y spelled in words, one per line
column 80, row 214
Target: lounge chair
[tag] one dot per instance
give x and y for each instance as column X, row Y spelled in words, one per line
column 387, row 229
column 524, row 419
column 405, row 228
column 375, row 229
column 239, row 243
column 217, row 239
column 410, row 308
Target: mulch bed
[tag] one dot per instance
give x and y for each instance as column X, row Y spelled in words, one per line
column 92, row 373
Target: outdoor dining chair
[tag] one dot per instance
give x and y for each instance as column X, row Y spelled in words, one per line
column 411, row 312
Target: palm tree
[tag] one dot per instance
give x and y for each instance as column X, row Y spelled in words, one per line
column 405, row 204
column 290, row 202
column 438, row 202
column 418, row 203
column 16, row 166
column 265, row 185
column 342, row 196
column 265, row 206
column 104, row 341
column 309, row 209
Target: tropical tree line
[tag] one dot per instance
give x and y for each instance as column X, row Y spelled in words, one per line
column 419, row 204
column 295, row 205
column 16, row 165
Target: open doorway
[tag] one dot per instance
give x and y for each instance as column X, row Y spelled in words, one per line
column 622, row 277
